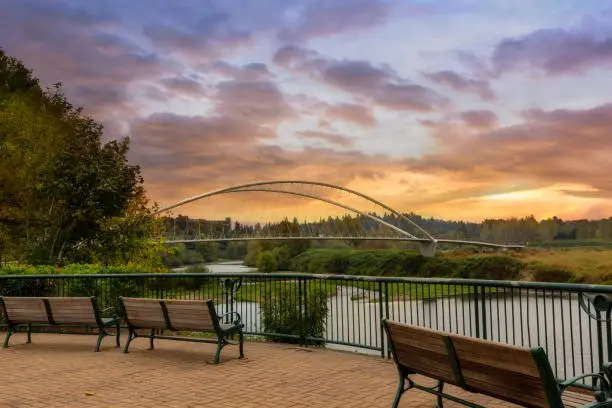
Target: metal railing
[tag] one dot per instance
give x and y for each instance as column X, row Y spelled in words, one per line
column 571, row 322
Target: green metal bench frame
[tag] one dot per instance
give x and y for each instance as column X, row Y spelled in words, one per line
column 223, row 333
column 102, row 323
column 554, row 389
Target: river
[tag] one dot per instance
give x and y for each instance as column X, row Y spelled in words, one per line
column 557, row 324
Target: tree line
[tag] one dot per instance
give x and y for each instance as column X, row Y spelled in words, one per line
column 65, row 196
column 512, row 230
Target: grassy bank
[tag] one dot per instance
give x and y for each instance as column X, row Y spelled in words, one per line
column 580, row 264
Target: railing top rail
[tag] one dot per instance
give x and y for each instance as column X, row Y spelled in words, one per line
column 570, row 287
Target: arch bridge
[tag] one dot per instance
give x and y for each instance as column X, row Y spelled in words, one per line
column 385, row 223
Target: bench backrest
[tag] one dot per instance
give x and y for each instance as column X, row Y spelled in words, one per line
column 144, row 313
column 182, row 315
column 189, row 315
column 50, row 310
column 421, row 351
column 515, row 374
column 23, row 310
column 73, row 310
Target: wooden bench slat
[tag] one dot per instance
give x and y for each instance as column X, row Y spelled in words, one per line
column 493, row 354
column 144, row 313
column 504, row 372
column 422, row 351
column 23, row 310
column 189, row 315
column 514, row 374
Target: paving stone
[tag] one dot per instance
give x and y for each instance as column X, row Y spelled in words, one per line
column 63, row 371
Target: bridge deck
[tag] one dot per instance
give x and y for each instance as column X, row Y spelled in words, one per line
column 61, row 370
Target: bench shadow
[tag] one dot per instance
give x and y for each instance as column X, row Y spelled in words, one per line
column 60, row 346
column 168, row 354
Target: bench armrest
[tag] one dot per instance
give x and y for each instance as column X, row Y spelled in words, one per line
column 602, row 394
column 238, row 318
column 606, row 369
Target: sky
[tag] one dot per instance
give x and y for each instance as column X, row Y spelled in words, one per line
column 460, row 110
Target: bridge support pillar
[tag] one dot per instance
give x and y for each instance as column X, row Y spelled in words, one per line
column 428, row 249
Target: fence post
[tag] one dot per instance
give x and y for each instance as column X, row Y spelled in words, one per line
column 483, row 317
column 476, row 312
column 301, row 307
column 387, row 314
column 382, row 316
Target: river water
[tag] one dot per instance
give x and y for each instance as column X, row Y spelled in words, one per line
column 556, row 323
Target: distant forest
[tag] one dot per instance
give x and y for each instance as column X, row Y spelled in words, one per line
column 526, row 230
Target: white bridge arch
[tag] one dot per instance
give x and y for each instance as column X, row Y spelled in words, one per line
column 427, row 243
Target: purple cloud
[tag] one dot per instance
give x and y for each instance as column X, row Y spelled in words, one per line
column 249, row 72
column 332, row 138
column 184, row 86
column 480, row 119
column 322, row 18
column 461, row 83
column 259, row 101
column 380, row 84
column 554, row 51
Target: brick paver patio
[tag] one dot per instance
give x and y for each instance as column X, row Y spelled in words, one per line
column 63, row 371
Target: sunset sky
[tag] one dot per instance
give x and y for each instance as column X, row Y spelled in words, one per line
column 459, row 109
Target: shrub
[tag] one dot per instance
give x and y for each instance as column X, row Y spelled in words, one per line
column 266, row 262
column 491, row 267
column 550, row 273
column 438, row 267
column 285, row 312
column 282, row 256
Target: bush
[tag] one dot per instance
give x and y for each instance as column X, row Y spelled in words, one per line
column 283, row 314
column 359, row 262
column 282, row 256
column 105, row 289
column 550, row 273
column 266, row 262
column 490, row 267
column 439, row 267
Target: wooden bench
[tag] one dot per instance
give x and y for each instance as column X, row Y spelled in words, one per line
column 56, row 311
column 518, row 375
column 179, row 315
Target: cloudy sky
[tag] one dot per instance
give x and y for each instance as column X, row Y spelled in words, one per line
column 461, row 109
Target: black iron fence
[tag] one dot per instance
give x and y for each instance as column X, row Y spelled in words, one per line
column 572, row 322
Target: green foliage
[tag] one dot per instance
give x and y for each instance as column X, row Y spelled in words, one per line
column 358, row 262
column 490, row 267
column 439, row 267
column 267, row 261
column 406, row 263
column 284, row 312
column 233, row 250
column 550, row 273
column 181, row 255
column 102, row 288
column 64, row 195
column 282, row 257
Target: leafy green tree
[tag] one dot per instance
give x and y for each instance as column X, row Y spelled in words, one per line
column 266, row 262
column 64, row 195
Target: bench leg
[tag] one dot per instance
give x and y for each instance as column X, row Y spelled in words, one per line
column 118, row 336
column 440, row 390
column 220, row 344
column 102, row 334
column 241, row 343
column 29, row 334
column 8, row 336
column 398, row 394
column 151, row 337
column 131, row 336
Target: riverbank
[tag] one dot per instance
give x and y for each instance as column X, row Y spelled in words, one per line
column 578, row 265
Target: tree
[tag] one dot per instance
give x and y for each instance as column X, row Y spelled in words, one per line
column 64, row 195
